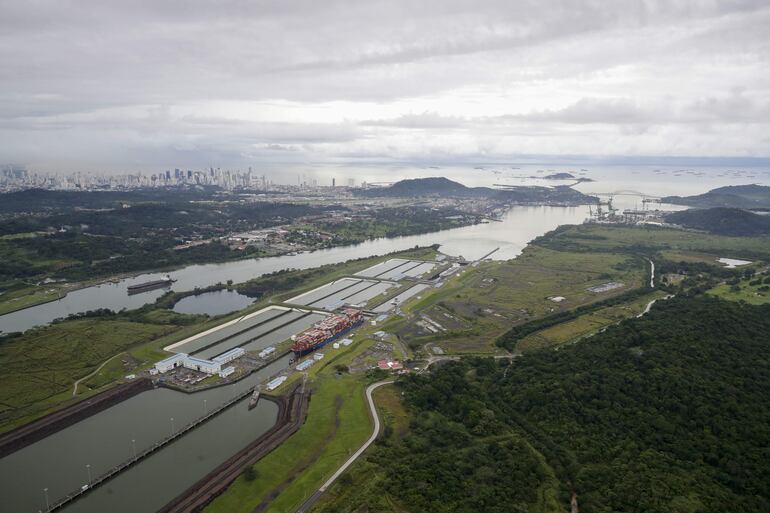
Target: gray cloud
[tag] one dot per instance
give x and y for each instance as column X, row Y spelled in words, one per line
column 109, row 84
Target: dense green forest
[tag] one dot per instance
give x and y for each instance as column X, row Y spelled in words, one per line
column 723, row 221
column 665, row 413
column 734, row 196
column 399, row 222
column 443, row 187
column 78, row 235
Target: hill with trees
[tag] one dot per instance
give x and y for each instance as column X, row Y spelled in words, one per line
column 445, row 188
column 733, row 196
column 723, row 221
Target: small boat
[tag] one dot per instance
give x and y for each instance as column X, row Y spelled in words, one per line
column 254, row 398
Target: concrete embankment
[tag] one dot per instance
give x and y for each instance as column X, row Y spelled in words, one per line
column 291, row 415
column 35, row 431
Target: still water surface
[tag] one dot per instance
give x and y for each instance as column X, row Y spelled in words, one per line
column 218, row 302
column 59, row 461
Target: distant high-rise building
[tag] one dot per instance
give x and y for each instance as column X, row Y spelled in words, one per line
column 334, row 182
column 351, row 182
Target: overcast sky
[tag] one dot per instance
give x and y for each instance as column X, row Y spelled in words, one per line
column 149, row 84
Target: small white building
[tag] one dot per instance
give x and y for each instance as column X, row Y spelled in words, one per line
column 229, row 356
column 266, row 352
column 318, row 356
column 272, row 385
column 304, row 365
column 226, row 371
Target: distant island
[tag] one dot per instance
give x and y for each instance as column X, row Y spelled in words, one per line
column 560, row 176
column 733, row 196
column 723, row 221
column 563, row 176
column 443, row 187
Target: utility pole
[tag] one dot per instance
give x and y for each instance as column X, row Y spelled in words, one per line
column 88, row 469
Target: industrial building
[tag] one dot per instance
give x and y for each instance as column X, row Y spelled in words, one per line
column 213, row 366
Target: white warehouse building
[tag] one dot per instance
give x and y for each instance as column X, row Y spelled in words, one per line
column 212, row 366
column 199, row 364
column 171, row 362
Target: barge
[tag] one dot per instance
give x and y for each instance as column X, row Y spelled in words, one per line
column 149, row 285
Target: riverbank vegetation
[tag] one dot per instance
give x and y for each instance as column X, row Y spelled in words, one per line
column 662, row 413
column 337, row 424
column 83, row 237
column 42, row 364
column 40, row 367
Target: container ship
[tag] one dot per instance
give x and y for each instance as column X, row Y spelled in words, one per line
column 327, row 331
column 149, row 285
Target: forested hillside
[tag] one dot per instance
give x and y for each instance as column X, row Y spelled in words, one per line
column 723, row 221
column 666, row 413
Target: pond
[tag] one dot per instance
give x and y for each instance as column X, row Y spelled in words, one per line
column 217, row 302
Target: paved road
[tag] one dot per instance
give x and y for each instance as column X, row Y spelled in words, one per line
column 649, row 305
column 313, row 498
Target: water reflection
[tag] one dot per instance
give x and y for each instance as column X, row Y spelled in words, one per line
column 213, row 303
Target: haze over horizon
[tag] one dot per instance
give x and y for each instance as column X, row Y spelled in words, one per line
column 125, row 87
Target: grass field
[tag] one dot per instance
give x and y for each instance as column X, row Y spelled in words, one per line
column 612, row 238
column 337, row 424
column 18, row 299
column 363, row 476
column 749, row 293
column 585, row 325
column 494, row 296
column 40, row 367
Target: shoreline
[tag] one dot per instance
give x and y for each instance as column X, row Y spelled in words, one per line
column 116, row 278
column 293, row 408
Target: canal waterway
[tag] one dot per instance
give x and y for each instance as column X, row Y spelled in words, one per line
column 60, row 462
column 155, row 481
column 519, row 226
column 625, row 183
